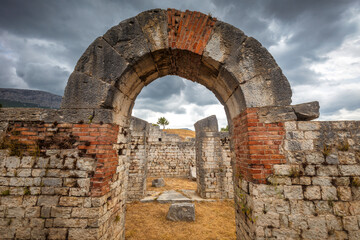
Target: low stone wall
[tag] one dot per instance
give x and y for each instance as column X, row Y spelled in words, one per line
column 169, row 155
column 60, row 181
column 292, row 179
column 155, row 153
column 314, row 190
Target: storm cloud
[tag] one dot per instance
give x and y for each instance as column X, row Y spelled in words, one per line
column 316, row 43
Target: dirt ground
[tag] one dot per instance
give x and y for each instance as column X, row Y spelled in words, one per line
column 213, row 220
column 172, row 184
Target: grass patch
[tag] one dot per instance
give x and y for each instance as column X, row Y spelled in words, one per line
column 172, row 184
column 183, row 133
column 214, row 220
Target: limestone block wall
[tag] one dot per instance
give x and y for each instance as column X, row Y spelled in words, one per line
column 169, row 155
column 61, row 181
column 138, row 166
column 213, row 160
column 155, row 153
column 307, row 188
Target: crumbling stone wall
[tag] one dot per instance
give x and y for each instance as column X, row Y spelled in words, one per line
column 213, row 160
column 61, row 180
column 138, row 165
column 155, row 153
column 169, row 155
column 312, row 189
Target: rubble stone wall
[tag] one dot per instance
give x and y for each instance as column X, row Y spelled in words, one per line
column 155, row 153
column 60, row 181
column 314, row 193
column 169, row 155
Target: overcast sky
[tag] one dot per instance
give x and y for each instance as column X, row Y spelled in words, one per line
column 315, row 42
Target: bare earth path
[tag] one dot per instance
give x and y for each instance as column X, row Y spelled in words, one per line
column 214, row 220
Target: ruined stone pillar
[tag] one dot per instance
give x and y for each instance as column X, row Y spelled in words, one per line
column 213, row 162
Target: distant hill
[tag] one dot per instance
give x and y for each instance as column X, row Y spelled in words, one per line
column 183, row 133
column 28, row 98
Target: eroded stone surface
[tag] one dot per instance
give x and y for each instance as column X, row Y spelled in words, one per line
column 172, row 196
column 159, row 182
column 181, row 212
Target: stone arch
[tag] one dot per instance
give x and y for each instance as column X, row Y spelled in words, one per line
column 236, row 68
column 116, row 66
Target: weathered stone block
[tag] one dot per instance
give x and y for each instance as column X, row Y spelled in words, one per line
column 48, row 200
column 312, row 193
column 85, row 212
column 317, row 229
column 61, row 212
column 298, row 145
column 70, row 222
column 329, row 193
column 341, row 208
column 293, row 192
column 327, row 171
column 52, row 182
column 23, row 232
column 32, row 212
column 12, row 162
column 322, row 181
column 307, row 111
column 181, row 212
column 332, row 159
column 71, row 201
column 58, row 233
column 350, row 223
column 333, row 223
column 315, row 158
column 89, row 233
column 344, row 193
column 282, row 170
column 15, row 212
column 85, row 164
column 298, row 221
column 349, row 170
column 159, row 182
column 346, row 157
column 309, row 126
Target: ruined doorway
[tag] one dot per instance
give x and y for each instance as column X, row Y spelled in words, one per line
column 116, row 66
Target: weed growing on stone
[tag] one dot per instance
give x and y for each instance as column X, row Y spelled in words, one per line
column 344, row 146
column 294, row 172
column 326, row 150
column 355, row 182
column 15, row 147
column 27, row 191
column 117, row 218
column 5, row 193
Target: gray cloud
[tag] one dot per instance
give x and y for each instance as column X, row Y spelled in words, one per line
column 163, row 88
column 40, row 42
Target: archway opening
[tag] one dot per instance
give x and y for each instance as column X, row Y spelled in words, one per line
column 174, row 157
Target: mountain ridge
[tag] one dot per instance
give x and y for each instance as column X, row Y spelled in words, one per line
column 10, row 97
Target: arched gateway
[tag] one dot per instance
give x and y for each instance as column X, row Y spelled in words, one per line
column 236, row 68
column 64, row 173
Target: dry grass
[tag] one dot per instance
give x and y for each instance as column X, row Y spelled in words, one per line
column 172, row 184
column 183, row 133
column 214, row 220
